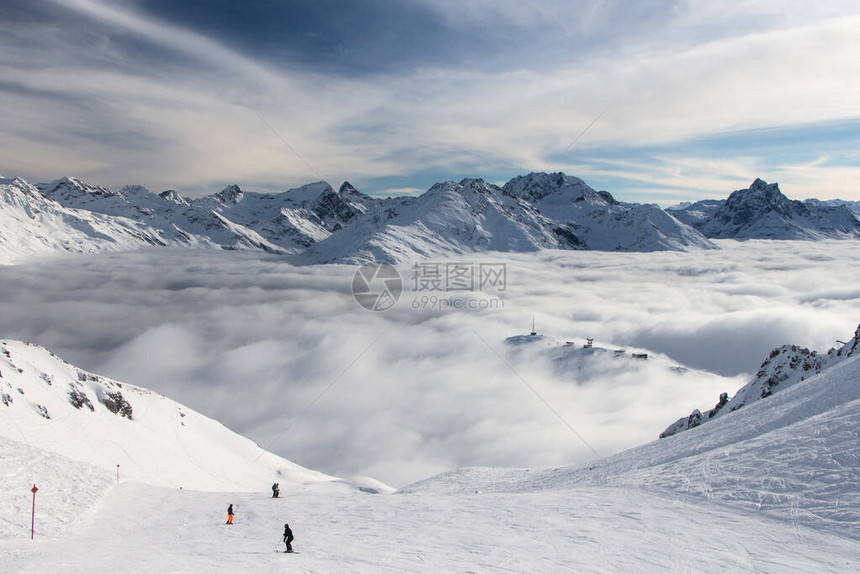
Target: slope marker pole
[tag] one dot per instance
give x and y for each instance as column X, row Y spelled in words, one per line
column 34, row 490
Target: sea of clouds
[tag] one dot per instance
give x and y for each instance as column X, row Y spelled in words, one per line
column 285, row 355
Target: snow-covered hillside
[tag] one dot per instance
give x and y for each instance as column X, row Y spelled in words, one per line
column 32, row 224
column 792, row 457
column 71, row 432
column 601, row 222
column 763, row 212
column 783, row 368
column 292, row 220
column 46, row 403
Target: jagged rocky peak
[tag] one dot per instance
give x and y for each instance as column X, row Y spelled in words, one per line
column 475, row 183
column 20, row 185
column 761, row 185
column 784, row 367
column 761, row 196
column 852, row 347
column 537, row 186
column 762, row 211
column 475, row 186
column 339, row 207
column 172, row 195
column 348, row 190
column 231, row 194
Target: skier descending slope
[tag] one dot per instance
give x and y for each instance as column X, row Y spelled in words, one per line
column 288, row 538
column 230, row 514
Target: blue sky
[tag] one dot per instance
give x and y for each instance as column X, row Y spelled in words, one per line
column 691, row 99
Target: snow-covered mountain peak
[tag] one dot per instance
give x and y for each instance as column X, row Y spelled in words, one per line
column 173, row 196
column 758, row 197
column 132, row 190
column 761, row 185
column 477, row 184
column 231, row 195
column 473, row 191
column 73, row 189
column 31, row 222
column 442, row 187
column 762, row 211
column 134, row 202
column 346, row 189
column 534, row 187
column 17, row 187
column 306, row 194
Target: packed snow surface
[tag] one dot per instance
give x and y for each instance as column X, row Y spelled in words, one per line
column 773, row 487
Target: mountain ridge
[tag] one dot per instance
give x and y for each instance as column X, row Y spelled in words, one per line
column 315, row 223
column 784, row 367
column 762, row 211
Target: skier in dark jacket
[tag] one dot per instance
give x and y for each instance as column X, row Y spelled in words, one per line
column 288, row 538
column 230, row 514
column 276, row 490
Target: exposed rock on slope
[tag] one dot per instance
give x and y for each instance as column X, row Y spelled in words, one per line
column 785, row 367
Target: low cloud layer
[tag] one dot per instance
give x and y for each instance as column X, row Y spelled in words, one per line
column 285, row 356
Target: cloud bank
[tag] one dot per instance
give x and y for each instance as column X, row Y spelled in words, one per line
column 285, row 356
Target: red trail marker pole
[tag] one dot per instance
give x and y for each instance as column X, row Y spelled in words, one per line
column 117, row 475
column 34, row 490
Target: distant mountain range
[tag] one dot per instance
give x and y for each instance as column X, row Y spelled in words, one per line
column 537, row 211
column 316, row 224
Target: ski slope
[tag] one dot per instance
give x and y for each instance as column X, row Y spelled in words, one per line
column 139, row 528
column 58, row 433
column 53, row 406
column 773, row 487
column 793, row 457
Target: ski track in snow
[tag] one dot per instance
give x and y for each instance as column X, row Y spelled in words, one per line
column 142, row 528
column 68, row 490
column 791, row 457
